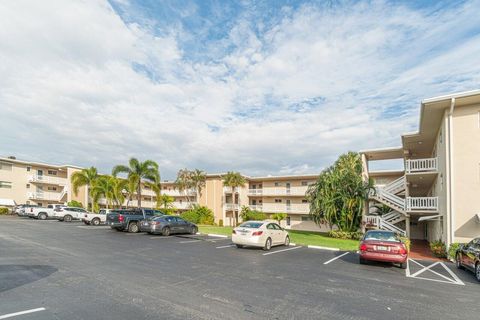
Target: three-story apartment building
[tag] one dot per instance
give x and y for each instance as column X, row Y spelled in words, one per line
column 436, row 196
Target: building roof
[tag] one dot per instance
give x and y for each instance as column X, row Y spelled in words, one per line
column 383, row 153
column 38, row 163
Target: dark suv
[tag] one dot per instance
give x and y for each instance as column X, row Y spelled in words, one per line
column 129, row 219
column 468, row 257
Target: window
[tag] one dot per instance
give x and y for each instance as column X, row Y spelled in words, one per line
column 304, row 183
column 29, row 168
column 52, row 172
column 278, row 200
column 277, row 184
column 28, row 185
column 277, row 227
column 147, row 187
column 52, row 188
column 270, row 226
column 304, row 201
column 306, row 218
column 5, row 184
column 440, row 136
column 288, row 221
column 5, row 166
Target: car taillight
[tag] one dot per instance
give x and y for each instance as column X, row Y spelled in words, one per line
column 233, row 232
column 120, row 218
column 155, row 222
column 257, row 233
column 402, row 250
column 363, row 247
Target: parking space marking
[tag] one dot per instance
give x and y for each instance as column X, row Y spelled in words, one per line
column 190, row 241
column 161, row 237
column 94, row 228
column 227, row 246
column 337, row 257
column 11, row 315
column 453, row 280
column 216, row 240
column 278, row 251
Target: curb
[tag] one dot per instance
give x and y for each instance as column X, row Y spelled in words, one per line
column 292, row 244
column 322, row 248
column 217, row 235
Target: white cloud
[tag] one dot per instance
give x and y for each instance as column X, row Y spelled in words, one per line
column 79, row 85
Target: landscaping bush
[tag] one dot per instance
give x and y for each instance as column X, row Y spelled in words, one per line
column 406, row 242
column 439, row 249
column 220, row 223
column 357, row 235
column 247, row 214
column 75, row 204
column 199, row 215
column 4, row 211
column 452, row 250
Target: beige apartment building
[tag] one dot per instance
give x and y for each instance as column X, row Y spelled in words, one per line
column 38, row 183
column 436, row 195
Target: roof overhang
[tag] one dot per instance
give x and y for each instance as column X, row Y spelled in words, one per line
column 383, row 154
column 426, row 218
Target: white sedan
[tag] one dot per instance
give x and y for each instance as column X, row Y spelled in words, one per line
column 262, row 234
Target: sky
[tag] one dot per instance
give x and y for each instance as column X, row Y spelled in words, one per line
column 261, row 87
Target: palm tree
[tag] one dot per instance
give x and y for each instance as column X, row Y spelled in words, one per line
column 119, row 186
column 165, row 202
column 184, row 182
column 156, row 187
column 104, row 187
column 234, row 180
column 199, row 179
column 138, row 171
column 85, row 177
column 130, row 189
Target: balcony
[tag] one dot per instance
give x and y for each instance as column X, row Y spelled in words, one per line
column 48, row 179
column 302, row 208
column 421, row 165
column 256, row 207
column 229, row 189
column 52, row 196
column 421, row 204
column 231, row 206
column 173, row 193
column 184, row 205
column 293, row 191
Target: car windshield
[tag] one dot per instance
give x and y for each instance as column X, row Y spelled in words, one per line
column 381, row 236
column 253, row 225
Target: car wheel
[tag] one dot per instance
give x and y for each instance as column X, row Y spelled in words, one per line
column 118, row 229
column 67, row 218
column 268, row 245
column 166, row 231
column 133, row 227
column 458, row 263
column 477, row 271
column 239, row 246
column 362, row 261
column 287, row 241
column 95, row 222
column 193, row 230
column 42, row 216
column 403, row 265
column 86, row 222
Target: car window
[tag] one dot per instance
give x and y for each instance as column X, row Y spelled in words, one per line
column 148, row 212
column 170, row 219
column 252, row 225
column 101, row 211
column 381, row 236
column 276, row 226
column 180, row 220
column 270, row 226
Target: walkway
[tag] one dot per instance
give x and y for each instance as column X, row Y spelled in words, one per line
column 420, row 250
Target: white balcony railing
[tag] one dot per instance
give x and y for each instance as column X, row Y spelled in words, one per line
column 421, row 165
column 284, row 208
column 229, row 189
column 172, row 192
column 295, row 191
column 47, row 179
column 53, row 196
column 231, row 206
column 422, row 204
column 257, row 207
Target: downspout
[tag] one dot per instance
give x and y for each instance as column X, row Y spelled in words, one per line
column 450, row 239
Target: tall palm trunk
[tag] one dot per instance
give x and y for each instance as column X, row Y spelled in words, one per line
column 139, row 194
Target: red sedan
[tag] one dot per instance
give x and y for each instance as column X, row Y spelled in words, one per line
column 379, row 245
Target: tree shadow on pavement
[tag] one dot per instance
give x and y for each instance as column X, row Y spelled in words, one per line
column 14, row 275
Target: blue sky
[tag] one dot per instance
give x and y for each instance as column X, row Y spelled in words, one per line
column 263, row 87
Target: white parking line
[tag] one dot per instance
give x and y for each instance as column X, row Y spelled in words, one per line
column 161, row 237
column 190, row 241
column 11, row 315
column 94, row 227
column 228, row 246
column 453, row 280
column 338, row 257
column 278, row 251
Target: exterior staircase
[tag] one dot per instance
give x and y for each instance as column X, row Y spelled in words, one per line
column 379, row 222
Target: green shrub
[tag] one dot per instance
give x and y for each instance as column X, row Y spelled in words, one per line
column 199, row 214
column 356, row 235
column 279, row 217
column 438, row 248
column 75, row 204
column 452, row 250
column 247, row 214
column 406, row 242
column 4, row 211
column 220, row 223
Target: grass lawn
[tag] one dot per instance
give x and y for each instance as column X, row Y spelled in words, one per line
column 298, row 237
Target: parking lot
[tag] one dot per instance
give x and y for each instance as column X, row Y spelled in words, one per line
column 56, row 270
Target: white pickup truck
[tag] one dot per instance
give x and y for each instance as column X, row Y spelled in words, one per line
column 68, row 214
column 44, row 213
column 96, row 218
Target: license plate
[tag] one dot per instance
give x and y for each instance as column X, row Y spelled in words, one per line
column 383, row 248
